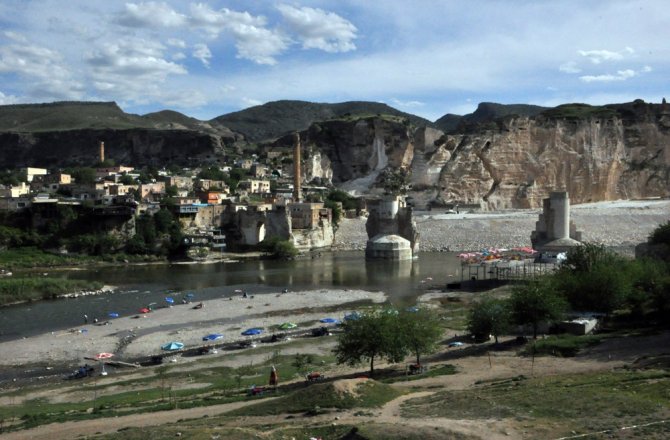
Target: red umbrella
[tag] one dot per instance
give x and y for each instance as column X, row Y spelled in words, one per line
column 101, row 356
column 274, row 378
column 144, row 310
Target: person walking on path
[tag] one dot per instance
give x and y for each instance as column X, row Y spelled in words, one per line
column 85, row 319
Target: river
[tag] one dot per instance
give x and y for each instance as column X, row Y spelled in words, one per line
column 140, row 285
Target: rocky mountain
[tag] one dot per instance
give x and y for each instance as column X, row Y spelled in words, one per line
column 500, row 156
column 68, row 133
column 596, row 153
column 274, row 119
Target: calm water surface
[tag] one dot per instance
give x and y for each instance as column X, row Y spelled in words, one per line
column 139, row 286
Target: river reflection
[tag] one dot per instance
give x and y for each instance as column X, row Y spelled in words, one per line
column 141, row 285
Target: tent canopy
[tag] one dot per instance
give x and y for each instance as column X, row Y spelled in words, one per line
column 252, row 331
column 172, row 346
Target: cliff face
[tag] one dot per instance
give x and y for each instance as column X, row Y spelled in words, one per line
column 351, row 153
column 137, row 146
column 513, row 162
column 518, row 164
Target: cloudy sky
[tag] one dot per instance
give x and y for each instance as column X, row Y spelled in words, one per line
column 427, row 57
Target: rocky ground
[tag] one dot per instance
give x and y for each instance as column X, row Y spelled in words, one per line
column 621, row 224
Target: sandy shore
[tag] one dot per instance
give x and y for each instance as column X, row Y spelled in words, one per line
column 131, row 337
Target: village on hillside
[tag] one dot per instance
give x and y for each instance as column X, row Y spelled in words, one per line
column 233, row 206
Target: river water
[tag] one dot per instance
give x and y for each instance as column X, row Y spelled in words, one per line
column 138, row 286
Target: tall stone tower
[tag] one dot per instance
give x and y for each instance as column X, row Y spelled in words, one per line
column 102, row 152
column 297, row 191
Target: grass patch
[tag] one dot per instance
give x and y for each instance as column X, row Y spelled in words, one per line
column 325, row 395
column 557, row 405
column 29, row 257
column 562, row 345
column 21, row 288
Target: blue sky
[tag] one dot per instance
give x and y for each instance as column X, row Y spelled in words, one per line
column 427, row 57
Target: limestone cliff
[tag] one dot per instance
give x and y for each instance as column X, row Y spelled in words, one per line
column 517, row 163
column 594, row 153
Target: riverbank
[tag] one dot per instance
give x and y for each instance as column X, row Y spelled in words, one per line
column 618, row 224
column 143, row 334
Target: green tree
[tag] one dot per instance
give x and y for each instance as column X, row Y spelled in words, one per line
column 420, row 331
column 126, row 180
column 374, row 335
column 593, row 278
column 82, row 175
column 396, row 181
column 211, row 173
column 171, row 191
column 661, row 235
column 335, row 209
column 535, row 302
column 278, row 248
column 583, row 258
column 490, row 316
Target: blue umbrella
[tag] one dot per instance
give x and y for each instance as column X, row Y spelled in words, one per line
column 189, row 295
column 212, row 337
column 330, row 321
column 113, row 315
column 169, row 300
column 252, row 332
column 172, row 346
column 353, row 316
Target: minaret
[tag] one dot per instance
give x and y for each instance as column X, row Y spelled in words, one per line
column 102, row 152
column 297, row 193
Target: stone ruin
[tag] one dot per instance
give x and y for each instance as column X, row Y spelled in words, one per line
column 554, row 231
column 392, row 233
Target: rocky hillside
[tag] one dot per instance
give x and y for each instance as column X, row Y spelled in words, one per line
column 497, row 157
column 595, row 153
column 274, row 119
column 68, row 133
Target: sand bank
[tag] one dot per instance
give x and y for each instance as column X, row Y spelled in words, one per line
column 132, row 337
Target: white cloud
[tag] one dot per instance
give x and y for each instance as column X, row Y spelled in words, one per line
column 250, row 102
column 131, row 68
column 202, row 53
column 569, row 67
column 647, row 69
column 598, row 56
column 178, row 56
column 621, row 75
column 44, row 70
column 319, row 29
column 152, row 14
column 253, row 40
column 8, row 99
column 407, row 104
column 176, row 42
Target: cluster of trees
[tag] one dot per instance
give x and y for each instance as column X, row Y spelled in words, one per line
column 79, row 231
column 232, row 179
column 278, row 248
column 158, row 234
column 337, row 198
column 591, row 279
column 388, row 334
